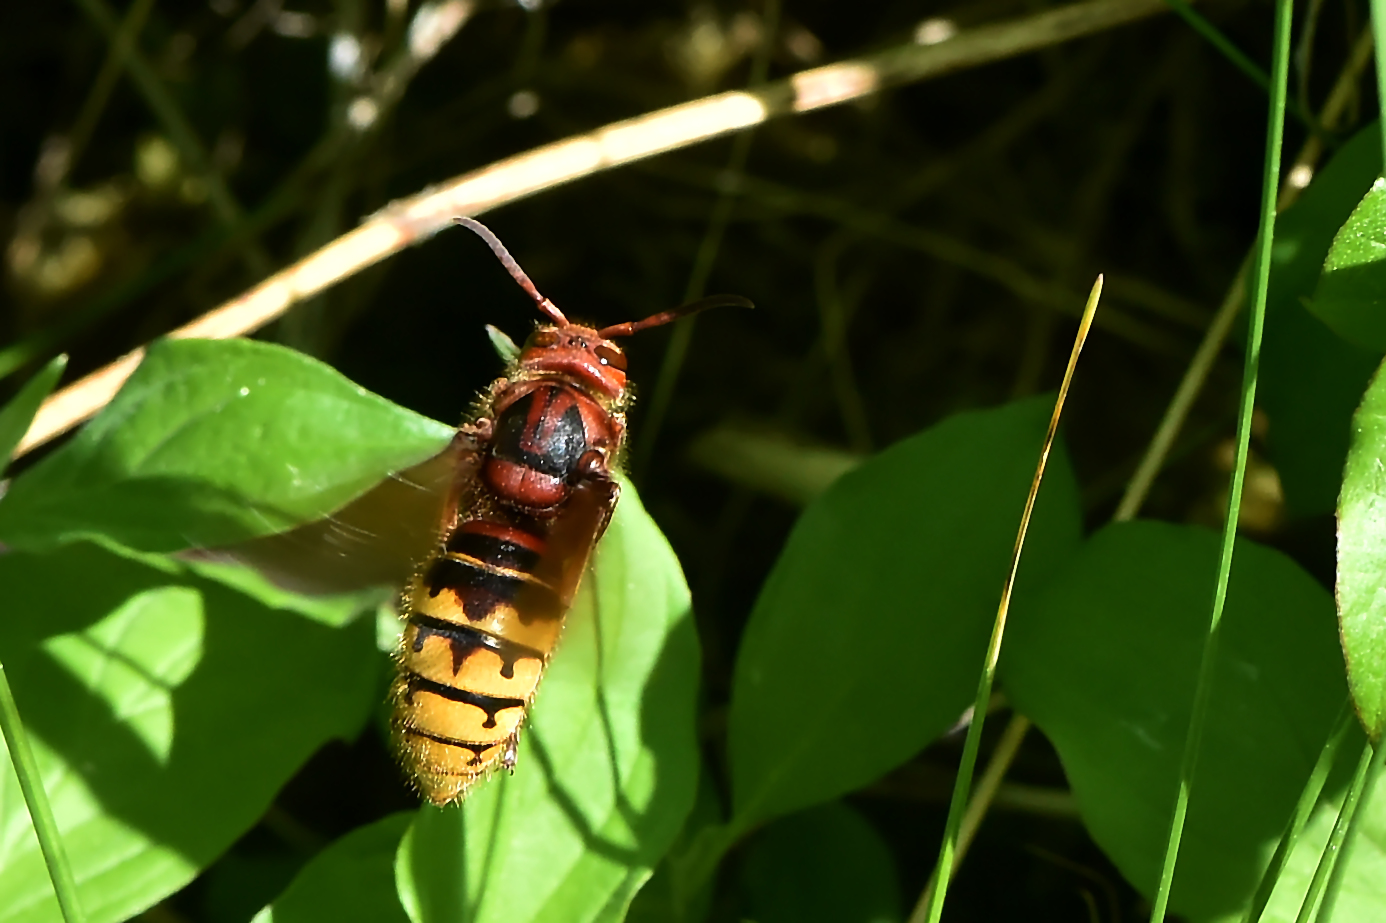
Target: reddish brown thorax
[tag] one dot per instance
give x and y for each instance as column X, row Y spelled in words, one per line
column 580, row 354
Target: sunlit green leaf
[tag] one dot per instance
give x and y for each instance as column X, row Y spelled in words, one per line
column 1362, row 560
column 607, row 763
column 351, row 881
column 166, row 709
column 824, row 865
column 1105, row 660
column 1311, row 379
column 212, row 442
column 1351, row 297
column 1362, row 894
column 662, row 898
column 16, row 416
column 867, row 639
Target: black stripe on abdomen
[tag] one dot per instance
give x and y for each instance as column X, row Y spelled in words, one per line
column 464, row 640
column 490, row 704
column 494, row 551
column 481, row 590
column 477, row 747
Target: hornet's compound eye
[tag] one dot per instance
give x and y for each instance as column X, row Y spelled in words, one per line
column 612, row 357
column 543, row 339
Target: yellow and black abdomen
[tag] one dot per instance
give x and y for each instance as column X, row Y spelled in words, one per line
column 479, row 630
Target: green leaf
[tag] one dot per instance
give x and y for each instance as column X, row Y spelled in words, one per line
column 167, row 710
column 1351, row 297
column 211, row 442
column 1362, row 560
column 351, row 881
column 1104, row 661
column 16, row 416
column 826, row 864
column 662, row 898
column 607, row 763
column 1362, row 894
column 1312, row 380
column 881, row 604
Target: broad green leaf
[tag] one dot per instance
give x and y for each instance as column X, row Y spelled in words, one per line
column 212, row 442
column 166, row 711
column 1362, row 560
column 1105, row 661
column 662, row 899
column 607, row 763
column 16, row 416
column 1311, row 379
column 824, row 865
column 351, row 881
column 1351, row 297
column 1362, row 895
column 867, row 639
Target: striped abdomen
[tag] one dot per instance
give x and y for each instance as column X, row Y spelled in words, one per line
column 479, row 630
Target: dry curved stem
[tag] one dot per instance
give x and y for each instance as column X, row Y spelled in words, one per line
column 419, row 217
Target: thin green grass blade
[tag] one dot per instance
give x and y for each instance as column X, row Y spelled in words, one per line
column 930, row 905
column 1332, row 850
column 36, row 799
column 14, row 420
column 18, row 414
column 1305, row 807
column 1366, row 784
column 1280, row 68
column 1238, row 58
column 1379, row 36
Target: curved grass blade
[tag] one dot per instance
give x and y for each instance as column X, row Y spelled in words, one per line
column 930, row 905
column 40, row 811
column 16, row 416
column 1303, row 809
column 14, row 420
column 1269, row 186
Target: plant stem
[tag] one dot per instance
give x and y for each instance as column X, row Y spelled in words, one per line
column 1202, row 692
column 36, row 799
column 1367, row 785
column 1379, row 34
column 930, row 906
column 1332, row 850
column 1309, row 797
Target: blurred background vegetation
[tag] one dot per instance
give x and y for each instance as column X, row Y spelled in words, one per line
column 912, row 254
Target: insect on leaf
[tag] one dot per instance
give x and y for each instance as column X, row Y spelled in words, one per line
column 607, row 763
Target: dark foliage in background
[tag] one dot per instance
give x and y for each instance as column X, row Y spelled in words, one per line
column 1136, row 154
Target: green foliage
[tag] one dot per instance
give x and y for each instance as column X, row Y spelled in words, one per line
column 1362, row 560
column 351, row 881
column 1312, row 379
column 824, row 865
column 1104, row 662
column 607, row 763
column 167, row 709
column 1353, row 285
column 1362, row 892
column 16, row 416
column 881, row 605
column 210, row 443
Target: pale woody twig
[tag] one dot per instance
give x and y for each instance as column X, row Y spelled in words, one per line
column 417, row 218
